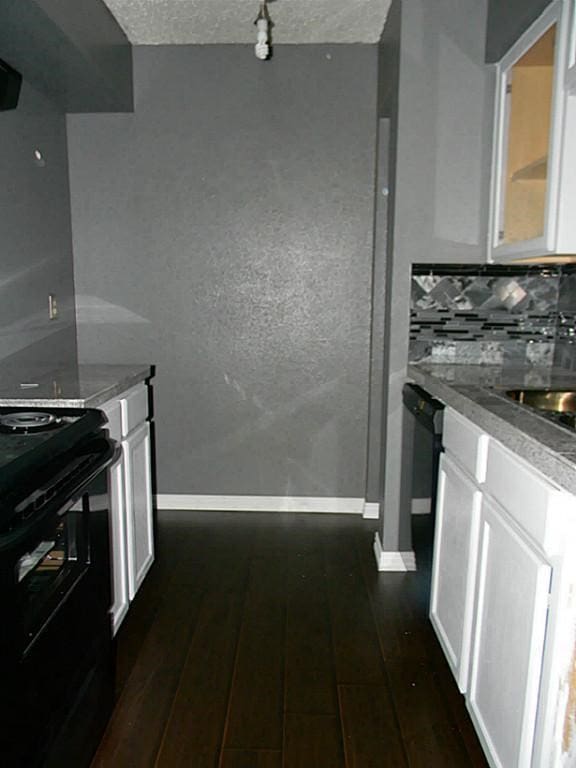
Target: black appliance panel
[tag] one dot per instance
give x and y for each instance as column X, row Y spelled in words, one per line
column 29, row 460
column 56, row 648
column 10, row 83
column 428, row 415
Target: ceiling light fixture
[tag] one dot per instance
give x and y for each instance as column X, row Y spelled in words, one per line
column 262, row 47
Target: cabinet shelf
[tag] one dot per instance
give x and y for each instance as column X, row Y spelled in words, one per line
column 534, row 171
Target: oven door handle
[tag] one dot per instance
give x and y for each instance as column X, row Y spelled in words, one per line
column 54, row 482
column 61, row 503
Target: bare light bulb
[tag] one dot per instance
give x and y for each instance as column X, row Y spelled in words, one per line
column 262, row 47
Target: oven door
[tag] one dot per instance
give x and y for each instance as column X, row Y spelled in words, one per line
column 58, row 547
column 56, row 641
column 56, row 559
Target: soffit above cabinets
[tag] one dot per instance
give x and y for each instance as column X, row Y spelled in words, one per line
column 165, row 22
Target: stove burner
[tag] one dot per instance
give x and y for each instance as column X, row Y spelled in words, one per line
column 23, row 422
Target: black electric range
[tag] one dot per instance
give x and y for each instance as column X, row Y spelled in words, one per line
column 56, row 648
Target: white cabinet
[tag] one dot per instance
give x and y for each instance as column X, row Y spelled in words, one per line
column 503, row 598
column 131, row 526
column 454, row 565
column 533, row 181
column 571, row 55
column 118, row 534
column 527, row 535
column 462, row 468
column 511, row 611
column 139, row 528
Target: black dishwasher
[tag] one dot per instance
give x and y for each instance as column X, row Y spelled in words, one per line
column 423, row 434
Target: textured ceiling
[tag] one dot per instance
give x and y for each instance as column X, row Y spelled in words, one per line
column 161, row 22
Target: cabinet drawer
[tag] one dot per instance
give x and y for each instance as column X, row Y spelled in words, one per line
column 537, row 505
column 114, row 415
column 134, row 406
column 466, row 442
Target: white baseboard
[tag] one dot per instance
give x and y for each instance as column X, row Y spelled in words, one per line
column 421, row 506
column 371, row 510
column 203, row 502
column 393, row 561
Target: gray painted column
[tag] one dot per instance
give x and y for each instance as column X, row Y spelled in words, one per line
column 444, row 127
column 375, row 424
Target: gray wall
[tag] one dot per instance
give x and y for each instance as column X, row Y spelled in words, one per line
column 224, row 233
column 440, row 188
column 377, row 351
column 35, row 237
column 507, row 21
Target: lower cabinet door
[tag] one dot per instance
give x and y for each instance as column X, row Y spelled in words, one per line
column 454, row 565
column 120, row 598
column 117, row 473
column 138, row 494
column 508, row 639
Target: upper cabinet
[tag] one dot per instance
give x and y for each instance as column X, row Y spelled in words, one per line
column 72, row 51
column 533, row 181
column 571, row 66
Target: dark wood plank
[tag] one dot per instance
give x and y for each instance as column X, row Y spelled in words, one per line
column 438, row 745
column 135, row 729
column 426, row 723
column 457, row 707
column 255, row 719
column 201, row 758
column 193, row 733
column 400, row 604
column 231, row 653
column 403, row 630
column 356, row 649
column 143, row 610
column 187, row 568
column 372, row 737
column 309, row 674
column 399, row 612
column 403, row 635
column 245, row 758
column 187, row 548
column 133, row 632
column 312, row 740
column 196, row 722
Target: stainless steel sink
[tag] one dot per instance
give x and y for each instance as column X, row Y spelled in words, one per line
column 557, row 400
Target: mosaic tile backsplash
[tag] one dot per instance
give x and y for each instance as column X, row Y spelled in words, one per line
column 492, row 314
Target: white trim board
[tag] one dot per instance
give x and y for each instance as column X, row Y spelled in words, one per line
column 393, row 561
column 371, row 510
column 204, row 502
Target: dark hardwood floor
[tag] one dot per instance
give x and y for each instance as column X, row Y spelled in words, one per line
column 271, row 641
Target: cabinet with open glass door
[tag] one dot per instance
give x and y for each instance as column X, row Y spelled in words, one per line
column 571, row 54
column 534, row 154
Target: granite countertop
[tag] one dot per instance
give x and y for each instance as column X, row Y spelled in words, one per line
column 84, row 386
column 477, row 392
